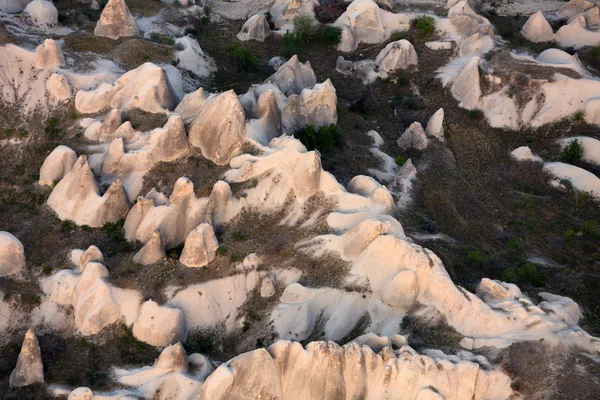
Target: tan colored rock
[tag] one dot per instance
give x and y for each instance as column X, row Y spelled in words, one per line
column 29, row 369
column 49, row 54
column 12, row 255
column 160, row 325
column 414, row 137
column 255, row 28
column 57, row 165
column 152, row 252
column 116, row 21
column 200, row 247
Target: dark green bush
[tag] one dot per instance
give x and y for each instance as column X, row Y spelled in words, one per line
column 476, row 114
column 291, row 44
column 572, row 152
column 244, row 59
column 398, row 35
column 425, row 24
column 331, row 35
column 305, row 28
column 526, row 273
column 400, row 160
column 321, row 139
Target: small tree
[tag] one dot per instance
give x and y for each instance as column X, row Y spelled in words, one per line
column 291, row 44
column 321, row 139
column 572, row 151
column 305, row 28
column 244, row 59
column 332, row 35
column 425, row 24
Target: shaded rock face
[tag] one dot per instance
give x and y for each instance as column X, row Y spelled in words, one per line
column 29, row 369
column 116, row 21
column 219, row 130
column 537, row 29
column 12, row 255
column 293, row 76
column 256, row 28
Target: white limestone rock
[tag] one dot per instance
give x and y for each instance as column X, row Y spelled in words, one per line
column 147, row 87
column 192, row 58
column 466, row 87
column 435, row 125
column 397, row 55
column 104, row 131
column 152, row 252
column 267, row 287
column 200, row 247
column 58, row 87
column 160, row 325
column 276, row 62
column 42, row 12
column 537, row 29
column 573, row 8
column 29, row 369
column 77, row 198
column 57, row 165
column 293, row 77
column 116, row 21
column 414, row 137
column 81, row 393
column 267, row 123
column 285, row 11
column 316, row 106
column 12, row 255
column 191, row 104
column 91, row 254
column 49, row 54
column 219, row 130
column 255, row 28
column 524, row 153
column 366, row 70
column 173, row 358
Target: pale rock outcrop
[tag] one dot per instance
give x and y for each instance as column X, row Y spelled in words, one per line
column 192, row 58
column 81, row 393
column 581, row 179
column 467, row 22
column 435, row 125
column 524, row 153
column 191, row 104
column 91, row 254
column 104, row 131
column 591, row 147
column 537, row 29
column 29, row 369
column 476, row 44
column 364, row 22
column 414, row 137
column 58, row 87
column 116, row 21
column 373, row 190
column 220, row 207
column 285, row 11
column 42, row 12
column 12, row 255
column 366, row 70
column 316, row 106
column 77, row 198
column 219, row 130
column 255, row 28
column 325, row 370
column 267, row 287
column 173, row 358
column 267, row 123
column 397, row 55
column 492, row 291
column 147, row 87
column 293, row 77
column 466, row 87
column 251, row 261
column 152, row 252
column 200, row 247
column 573, row 8
column 276, row 62
column 12, row 6
column 95, row 5
column 159, row 325
column 49, row 54
column 577, row 34
column 57, row 165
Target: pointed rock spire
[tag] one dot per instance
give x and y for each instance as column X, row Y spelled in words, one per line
column 116, row 21
column 29, row 369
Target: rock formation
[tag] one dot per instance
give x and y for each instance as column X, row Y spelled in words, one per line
column 42, row 12
column 116, row 21
column 396, row 55
column 255, row 28
column 316, row 106
column 152, row 252
column 414, row 137
column 219, row 130
column 293, row 77
column 435, row 125
column 57, row 165
column 200, row 247
column 12, row 255
column 159, row 325
column 29, row 369
column 537, row 29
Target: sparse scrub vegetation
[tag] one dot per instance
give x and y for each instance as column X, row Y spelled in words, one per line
column 476, row 114
column 400, row 160
column 398, row 35
column 322, row 138
column 291, row 44
column 578, row 115
column 572, row 151
column 525, row 273
column 244, row 59
column 305, row 28
column 331, row 35
column 425, row 25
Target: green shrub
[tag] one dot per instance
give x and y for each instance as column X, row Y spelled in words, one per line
column 398, row 35
column 425, row 24
column 331, row 35
column 67, row 226
column 291, row 44
column 238, row 237
column 402, row 77
column 476, row 114
column 526, row 273
column 572, row 152
column 47, row 270
column 305, row 28
column 569, row 233
column 578, row 115
column 474, row 259
column 400, row 160
column 51, row 126
column 589, row 228
column 516, row 245
column 114, row 230
column 221, row 250
column 321, row 139
column 244, row 59
column 595, row 51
